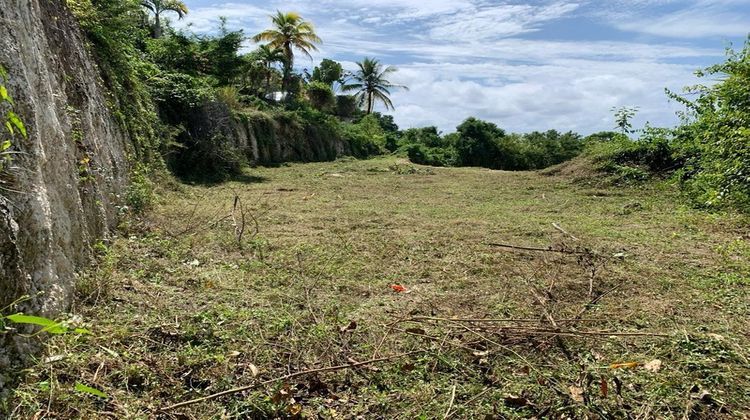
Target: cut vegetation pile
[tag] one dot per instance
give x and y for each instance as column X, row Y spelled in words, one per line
column 388, row 290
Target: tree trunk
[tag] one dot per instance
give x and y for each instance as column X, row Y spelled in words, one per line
column 369, row 103
column 157, row 25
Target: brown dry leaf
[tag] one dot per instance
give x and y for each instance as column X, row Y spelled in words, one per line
column 253, row 369
column 516, row 402
column 295, row 409
column 418, row 331
column 653, row 366
column 351, row 327
column 604, row 386
column 576, row 393
column 627, row 365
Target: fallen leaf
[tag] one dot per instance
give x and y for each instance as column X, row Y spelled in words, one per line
column 524, row 371
column 618, row 385
column 408, row 367
column 234, row 353
column 295, row 409
column 253, row 369
column 576, row 393
column 351, row 327
column 604, row 387
column 653, row 366
column 627, row 365
column 516, row 402
column 418, row 331
column 398, row 288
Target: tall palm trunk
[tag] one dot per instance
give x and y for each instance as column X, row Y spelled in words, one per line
column 288, row 64
column 157, row 25
column 370, row 102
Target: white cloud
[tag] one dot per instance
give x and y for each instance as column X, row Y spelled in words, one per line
column 693, row 19
column 465, row 58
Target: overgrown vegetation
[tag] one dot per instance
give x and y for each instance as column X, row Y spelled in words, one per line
column 708, row 154
column 175, row 92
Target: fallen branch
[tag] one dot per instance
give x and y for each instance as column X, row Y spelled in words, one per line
column 490, row 320
column 563, row 231
column 528, row 248
column 450, row 405
column 287, row 377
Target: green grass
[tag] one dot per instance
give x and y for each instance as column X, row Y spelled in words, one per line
column 179, row 309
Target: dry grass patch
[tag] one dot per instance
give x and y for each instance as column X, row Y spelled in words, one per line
column 192, row 309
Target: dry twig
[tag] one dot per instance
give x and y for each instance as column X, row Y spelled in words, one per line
column 287, row 377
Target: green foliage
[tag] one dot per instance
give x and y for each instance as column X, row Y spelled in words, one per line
column 11, row 122
column 290, row 32
column 158, row 7
column 140, row 193
column 480, row 143
column 115, row 30
column 623, row 115
column 371, row 84
column 633, row 160
column 328, row 72
column 230, row 96
column 366, row 137
column 208, row 159
column 433, row 156
column 715, row 143
column 46, row 325
column 346, row 106
column 321, row 96
column 90, row 391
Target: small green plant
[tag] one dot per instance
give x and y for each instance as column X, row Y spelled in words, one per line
column 623, row 116
column 140, row 193
column 7, row 322
column 11, row 122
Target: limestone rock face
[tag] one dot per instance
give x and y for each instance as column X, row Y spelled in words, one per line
column 71, row 169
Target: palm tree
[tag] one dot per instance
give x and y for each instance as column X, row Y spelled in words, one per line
column 371, row 84
column 157, row 7
column 290, row 32
column 267, row 56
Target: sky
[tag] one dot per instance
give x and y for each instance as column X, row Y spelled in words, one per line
column 524, row 65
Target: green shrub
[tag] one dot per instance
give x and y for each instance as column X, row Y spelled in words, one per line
column 433, row 156
column 140, row 193
column 366, row 137
column 321, row 96
column 715, row 143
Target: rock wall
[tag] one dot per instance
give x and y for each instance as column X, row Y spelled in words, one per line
column 213, row 133
column 71, row 168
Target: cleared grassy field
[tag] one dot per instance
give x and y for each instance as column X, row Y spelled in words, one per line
column 181, row 307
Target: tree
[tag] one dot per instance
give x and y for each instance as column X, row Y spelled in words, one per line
column 371, row 84
column 328, row 72
column 290, row 32
column 268, row 56
column 157, row 7
column 478, row 144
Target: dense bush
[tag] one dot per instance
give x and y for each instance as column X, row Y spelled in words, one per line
column 715, row 143
column 709, row 153
column 481, row 143
column 366, row 137
column 321, row 96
